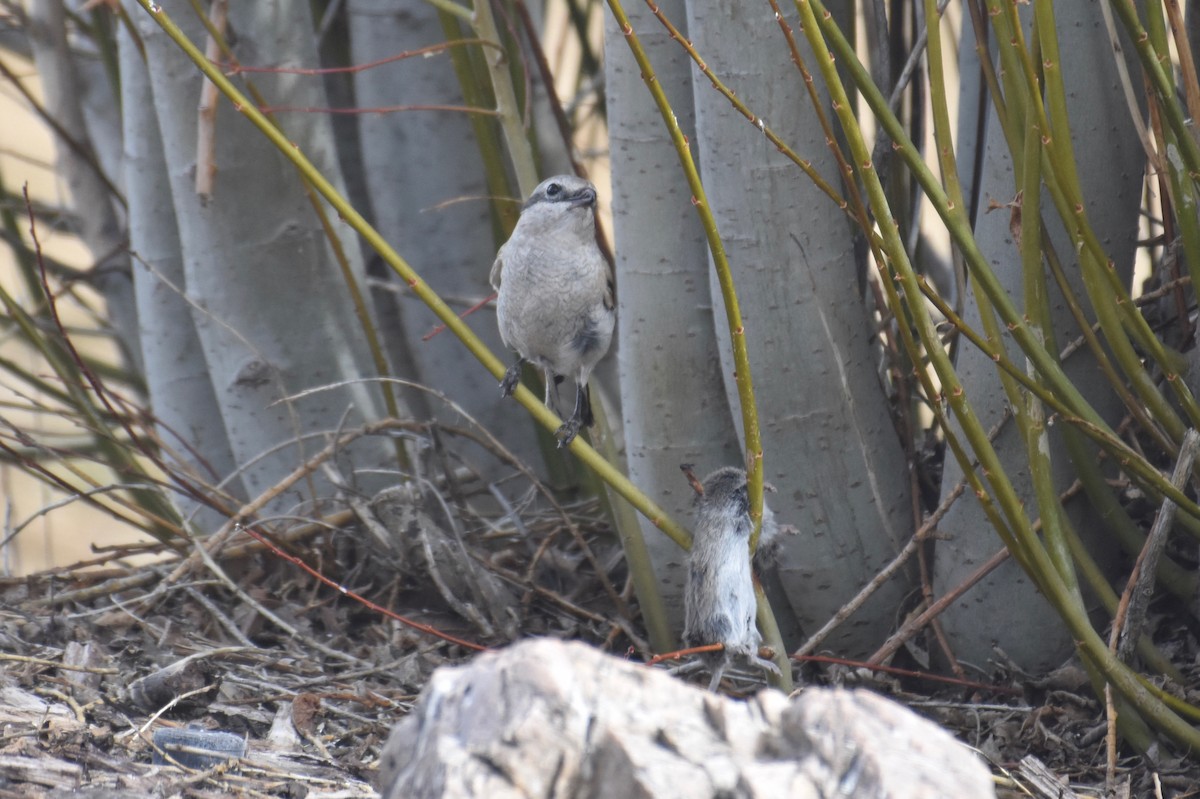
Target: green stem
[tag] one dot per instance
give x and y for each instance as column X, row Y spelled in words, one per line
column 519, row 149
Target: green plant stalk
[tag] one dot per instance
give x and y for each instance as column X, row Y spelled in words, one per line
column 1063, row 182
column 1000, row 100
column 519, row 149
column 954, row 218
column 940, row 108
column 1015, row 96
column 952, row 389
column 451, row 8
column 1182, row 190
column 949, row 169
column 1059, row 170
column 1086, row 468
column 1162, row 85
column 420, row 288
column 1086, row 329
column 737, row 332
column 476, row 95
column 1055, row 524
column 1148, row 476
column 162, row 523
column 1089, row 643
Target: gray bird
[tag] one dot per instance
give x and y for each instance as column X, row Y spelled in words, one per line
column 719, row 602
column 555, row 294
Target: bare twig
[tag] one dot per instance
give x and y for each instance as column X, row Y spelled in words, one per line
column 1140, row 586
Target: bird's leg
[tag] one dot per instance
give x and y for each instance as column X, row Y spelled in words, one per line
column 513, row 376
column 581, row 417
column 584, row 396
column 551, row 400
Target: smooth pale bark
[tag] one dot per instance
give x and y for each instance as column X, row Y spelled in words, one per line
column 1005, row 610
column 95, row 213
column 672, row 393
column 830, row 447
column 272, row 311
column 430, row 200
column 181, row 396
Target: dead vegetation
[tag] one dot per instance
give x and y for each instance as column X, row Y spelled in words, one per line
column 245, row 639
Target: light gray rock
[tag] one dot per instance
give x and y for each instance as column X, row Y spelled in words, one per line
column 546, row 718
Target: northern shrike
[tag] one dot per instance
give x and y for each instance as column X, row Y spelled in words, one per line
column 719, row 604
column 555, row 293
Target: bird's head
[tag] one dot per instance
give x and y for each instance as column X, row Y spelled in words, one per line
column 561, row 200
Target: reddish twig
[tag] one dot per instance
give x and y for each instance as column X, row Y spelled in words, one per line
column 693, row 481
column 236, row 69
column 407, row 622
column 387, row 109
column 462, row 315
column 921, row 675
column 679, row 653
column 911, row 627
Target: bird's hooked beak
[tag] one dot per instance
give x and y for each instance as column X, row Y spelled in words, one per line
column 586, row 196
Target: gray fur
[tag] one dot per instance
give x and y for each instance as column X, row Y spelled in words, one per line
column 719, row 604
column 555, row 304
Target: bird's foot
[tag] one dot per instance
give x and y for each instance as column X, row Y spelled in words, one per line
column 566, row 434
column 513, row 376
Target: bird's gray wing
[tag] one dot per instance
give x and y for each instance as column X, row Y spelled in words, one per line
column 497, row 268
column 610, row 300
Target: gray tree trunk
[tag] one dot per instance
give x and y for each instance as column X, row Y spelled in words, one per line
column 1005, row 610
column 272, row 311
column 96, row 215
column 181, row 396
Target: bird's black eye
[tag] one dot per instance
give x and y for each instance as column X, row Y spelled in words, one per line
column 553, row 190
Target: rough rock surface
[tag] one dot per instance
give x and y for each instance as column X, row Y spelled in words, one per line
column 546, row 718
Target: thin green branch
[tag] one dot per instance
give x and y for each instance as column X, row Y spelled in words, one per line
column 519, row 149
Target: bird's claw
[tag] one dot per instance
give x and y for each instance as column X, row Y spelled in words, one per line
column 566, row 434
column 509, row 384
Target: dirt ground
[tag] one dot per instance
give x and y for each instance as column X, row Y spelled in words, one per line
column 97, row 659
